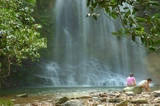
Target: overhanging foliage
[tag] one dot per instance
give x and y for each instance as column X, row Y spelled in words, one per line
column 139, row 18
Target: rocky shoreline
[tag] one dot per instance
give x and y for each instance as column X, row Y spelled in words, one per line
column 117, row 98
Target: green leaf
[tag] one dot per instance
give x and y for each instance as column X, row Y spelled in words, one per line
column 124, row 21
column 127, row 13
column 114, row 15
column 139, row 19
column 88, row 3
column 95, row 17
column 152, row 48
column 154, row 3
column 114, row 33
column 95, row 4
column 133, row 38
column 31, row 1
column 0, row 64
column 157, row 42
column 92, row 9
column 125, row 8
column 142, row 39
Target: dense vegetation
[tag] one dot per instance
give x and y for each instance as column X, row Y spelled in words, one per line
column 6, row 103
column 19, row 36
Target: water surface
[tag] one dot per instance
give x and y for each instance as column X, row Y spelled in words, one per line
column 62, row 90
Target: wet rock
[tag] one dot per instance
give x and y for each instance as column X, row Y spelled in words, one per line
column 157, row 93
column 114, row 100
column 22, row 95
column 103, row 94
column 139, row 100
column 94, row 104
column 29, row 104
column 123, row 103
column 94, row 94
column 129, row 93
column 146, row 95
column 13, row 100
column 85, row 97
column 62, row 100
column 156, row 100
column 136, row 89
column 118, row 95
column 73, row 103
column 103, row 99
column 95, row 98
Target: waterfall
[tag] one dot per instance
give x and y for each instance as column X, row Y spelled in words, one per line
column 85, row 51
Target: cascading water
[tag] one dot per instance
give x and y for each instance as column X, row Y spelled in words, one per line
column 85, row 52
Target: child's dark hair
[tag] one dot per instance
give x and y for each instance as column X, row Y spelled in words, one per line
column 149, row 79
column 131, row 75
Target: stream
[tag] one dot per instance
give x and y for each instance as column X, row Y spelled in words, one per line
column 53, row 93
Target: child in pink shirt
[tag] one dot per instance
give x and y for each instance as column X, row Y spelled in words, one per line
column 131, row 81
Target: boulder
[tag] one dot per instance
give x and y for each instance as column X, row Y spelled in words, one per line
column 85, row 97
column 129, row 93
column 22, row 95
column 156, row 100
column 123, row 103
column 157, row 93
column 62, row 100
column 139, row 100
column 73, row 103
column 136, row 89
column 114, row 100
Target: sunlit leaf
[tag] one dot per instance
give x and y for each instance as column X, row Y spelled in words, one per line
column 114, row 33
